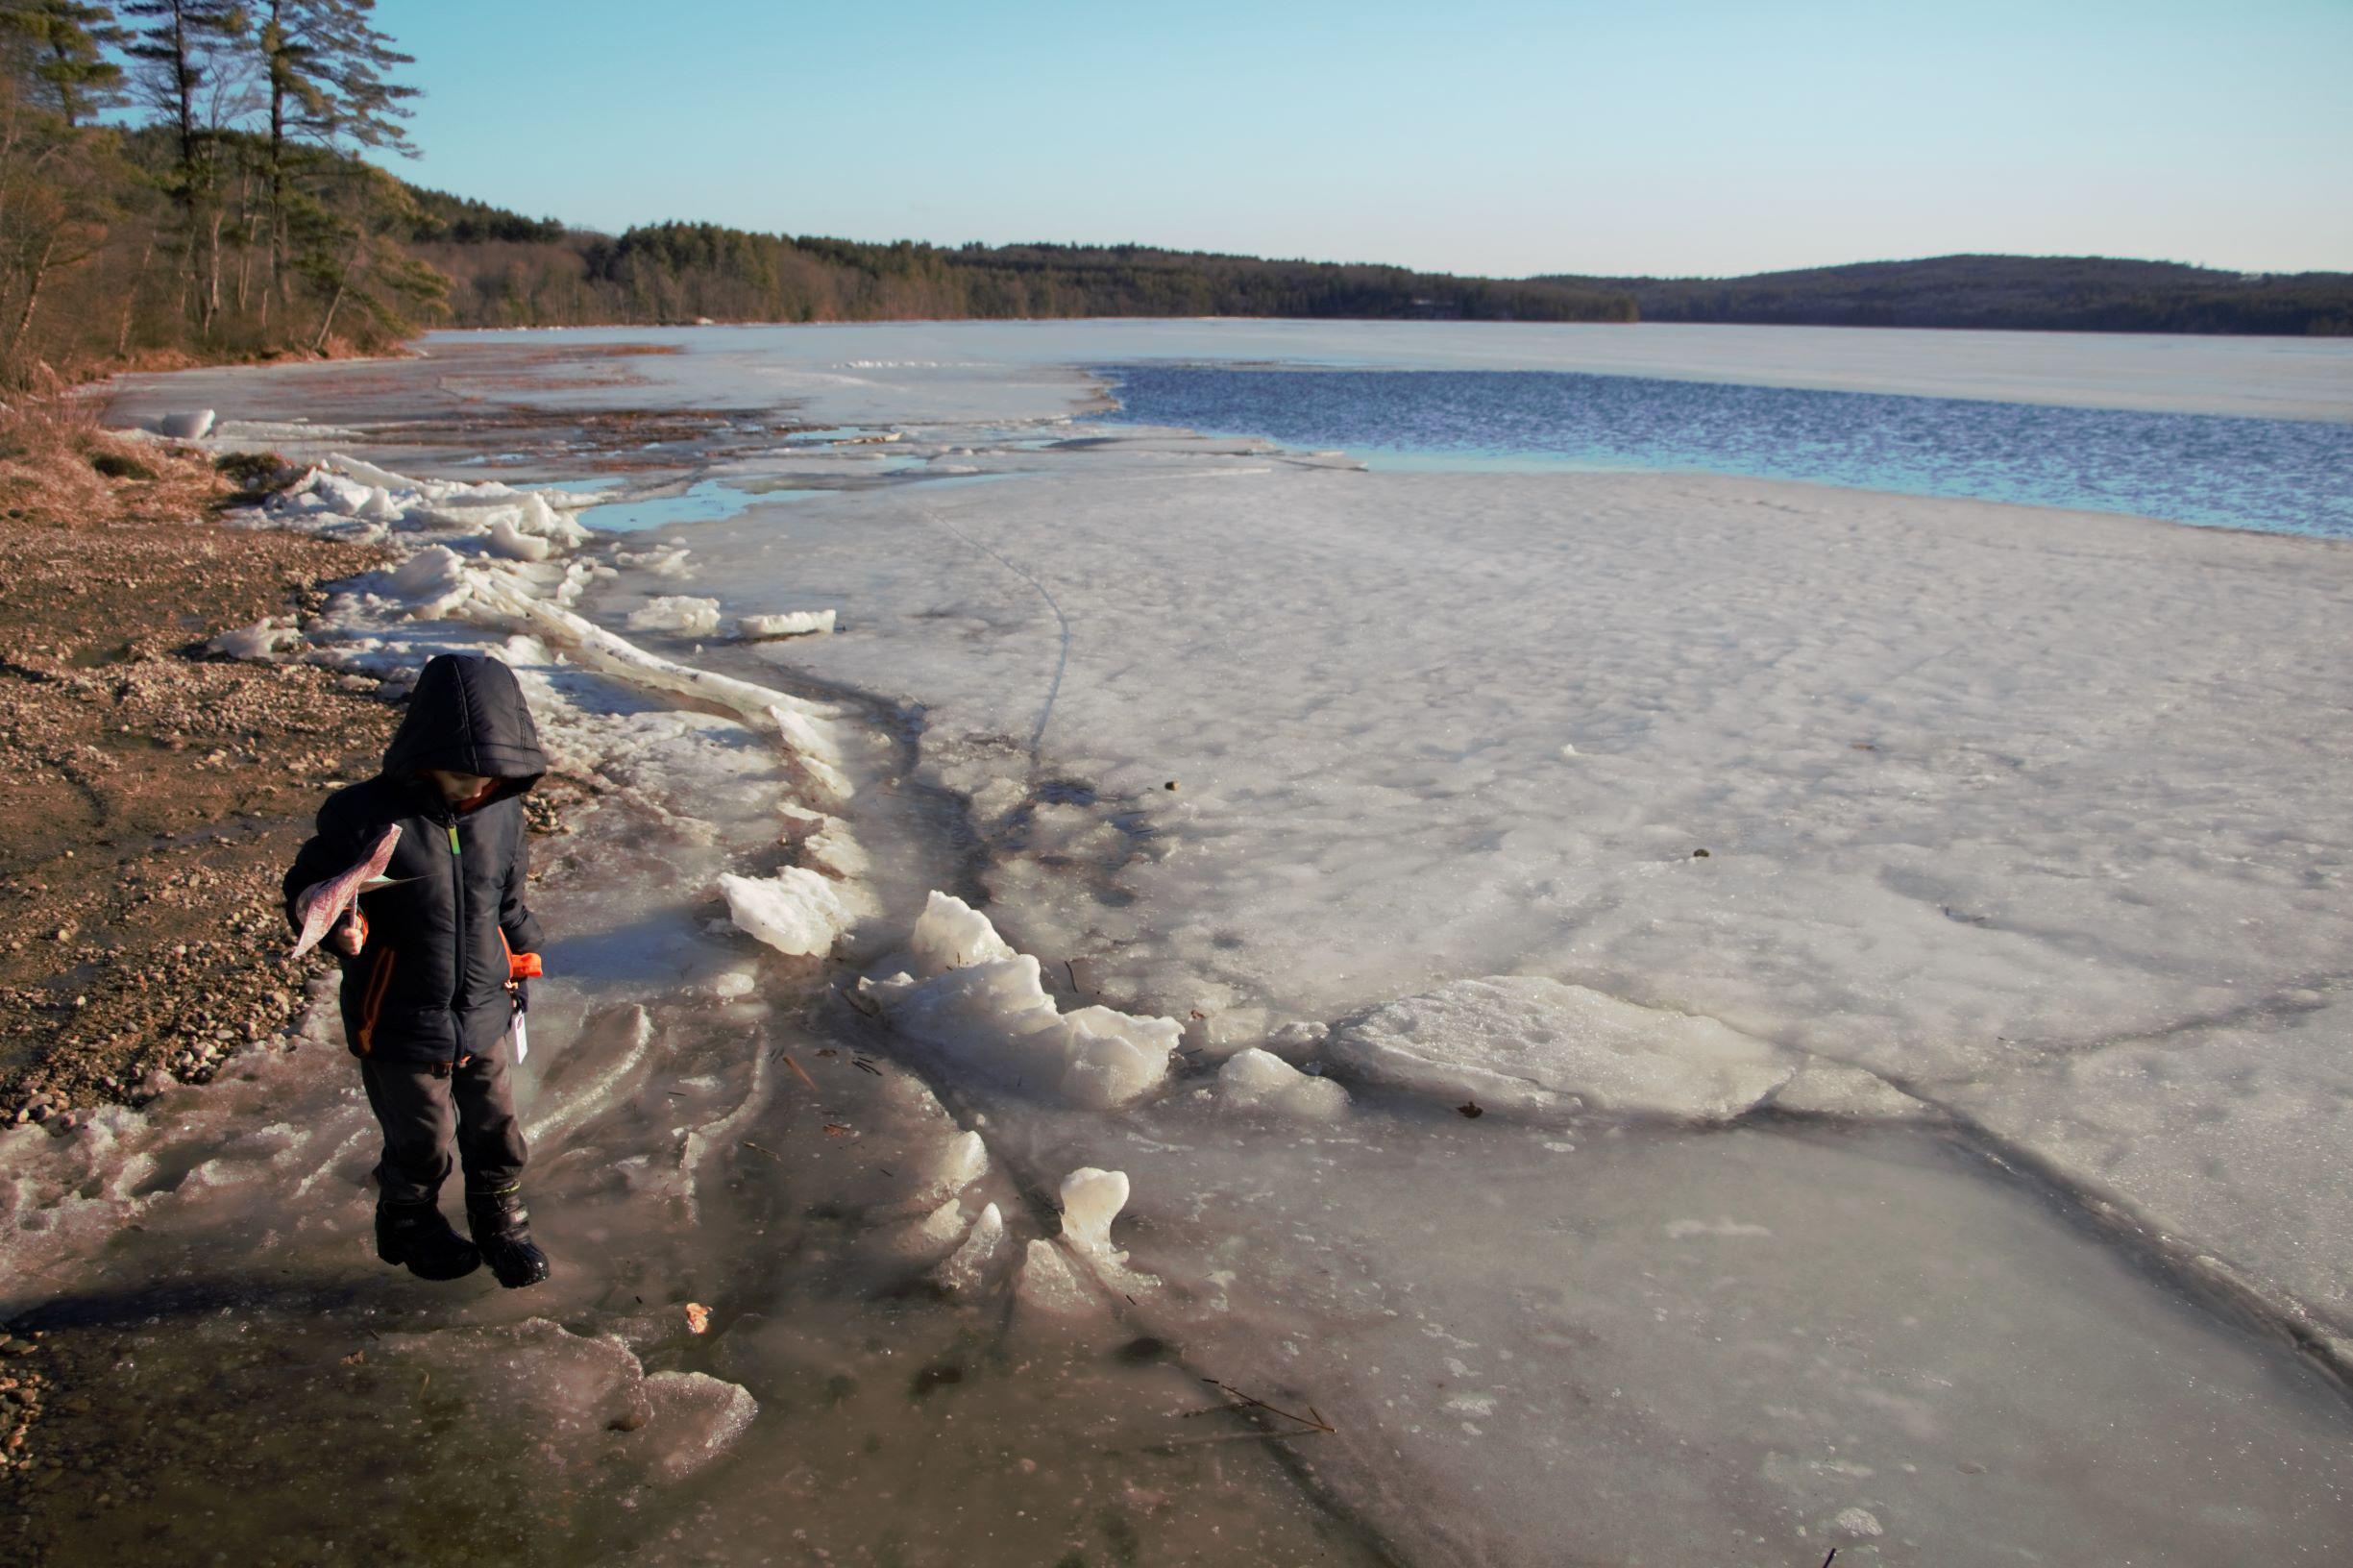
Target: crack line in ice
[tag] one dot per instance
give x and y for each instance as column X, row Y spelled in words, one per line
column 1062, row 662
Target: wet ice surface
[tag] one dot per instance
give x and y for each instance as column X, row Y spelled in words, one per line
column 1666, row 1348
column 1999, row 859
column 2275, row 475
column 252, row 1385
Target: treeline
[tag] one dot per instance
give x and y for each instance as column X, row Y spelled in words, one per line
column 688, row 271
column 232, row 217
column 2088, row 294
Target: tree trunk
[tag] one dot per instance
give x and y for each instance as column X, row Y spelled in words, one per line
column 32, row 300
column 334, row 302
column 327, row 322
column 278, row 175
column 131, row 298
column 212, row 272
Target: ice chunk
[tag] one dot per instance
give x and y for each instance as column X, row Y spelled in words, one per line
column 800, row 822
column 1826, row 1088
column 836, row 853
column 188, row 426
column 1090, row 1200
column 663, row 560
column 1257, row 1080
column 268, row 636
column 1299, row 1037
column 997, row 1017
column 967, row 1267
column 599, row 650
column 810, row 754
column 933, row 1235
column 797, row 911
column 695, row 1418
column 431, row 583
column 789, row 624
column 963, row 1162
column 950, row 934
column 1218, row 1032
column 1522, row 1043
column 677, row 612
column 1048, row 1284
column 537, row 515
column 511, row 542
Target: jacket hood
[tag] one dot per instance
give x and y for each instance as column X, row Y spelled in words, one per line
column 467, row 716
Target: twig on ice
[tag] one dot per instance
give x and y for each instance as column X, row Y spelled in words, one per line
column 1312, row 1421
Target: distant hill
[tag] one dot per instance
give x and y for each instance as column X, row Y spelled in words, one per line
column 507, row 270
column 2058, row 293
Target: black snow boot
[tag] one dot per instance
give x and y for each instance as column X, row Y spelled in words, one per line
column 416, row 1235
column 502, row 1228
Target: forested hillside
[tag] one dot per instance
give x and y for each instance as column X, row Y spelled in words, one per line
column 2027, row 292
column 682, row 272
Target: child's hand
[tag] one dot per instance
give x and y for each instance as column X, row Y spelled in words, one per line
column 351, row 934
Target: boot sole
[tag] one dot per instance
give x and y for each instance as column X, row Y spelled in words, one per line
column 473, row 1261
column 438, row 1275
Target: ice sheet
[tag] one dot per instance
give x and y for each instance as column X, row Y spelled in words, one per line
column 919, row 373
column 1947, row 792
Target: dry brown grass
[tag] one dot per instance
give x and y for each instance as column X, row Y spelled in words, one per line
column 59, row 468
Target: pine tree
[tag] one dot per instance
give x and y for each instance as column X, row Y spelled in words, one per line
column 190, row 70
column 65, row 42
column 329, row 93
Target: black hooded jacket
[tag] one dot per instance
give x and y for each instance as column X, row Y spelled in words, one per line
column 430, row 984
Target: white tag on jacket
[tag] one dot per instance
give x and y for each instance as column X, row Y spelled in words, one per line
column 522, row 1035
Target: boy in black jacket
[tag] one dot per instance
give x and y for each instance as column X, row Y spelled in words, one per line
column 433, row 960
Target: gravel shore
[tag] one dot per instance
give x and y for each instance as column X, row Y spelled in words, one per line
column 151, row 793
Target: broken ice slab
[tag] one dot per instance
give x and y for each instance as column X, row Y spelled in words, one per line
column 1534, row 1045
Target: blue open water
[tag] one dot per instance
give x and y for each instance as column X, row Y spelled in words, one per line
column 2273, row 474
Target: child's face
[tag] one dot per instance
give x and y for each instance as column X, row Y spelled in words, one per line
column 455, row 788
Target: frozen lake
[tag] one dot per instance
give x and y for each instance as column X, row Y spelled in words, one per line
column 2281, row 476
column 1814, row 1017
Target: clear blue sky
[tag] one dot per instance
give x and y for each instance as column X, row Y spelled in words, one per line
column 1481, row 135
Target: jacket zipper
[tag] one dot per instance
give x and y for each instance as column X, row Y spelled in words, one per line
column 457, row 943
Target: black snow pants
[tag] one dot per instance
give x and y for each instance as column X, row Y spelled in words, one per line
column 425, row 1110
